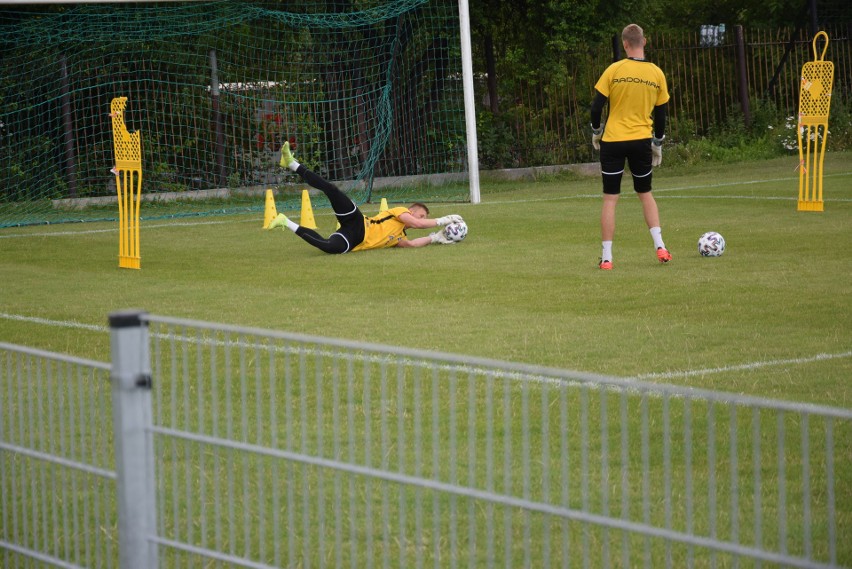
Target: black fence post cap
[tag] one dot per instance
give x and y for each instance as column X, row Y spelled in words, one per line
column 129, row 318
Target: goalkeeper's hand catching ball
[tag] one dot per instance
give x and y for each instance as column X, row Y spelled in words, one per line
column 439, row 237
column 448, row 219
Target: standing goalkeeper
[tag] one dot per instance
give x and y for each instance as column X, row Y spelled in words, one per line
column 638, row 96
column 357, row 232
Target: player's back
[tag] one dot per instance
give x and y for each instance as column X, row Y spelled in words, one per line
column 634, row 88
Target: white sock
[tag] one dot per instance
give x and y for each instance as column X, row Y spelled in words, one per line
column 291, row 225
column 657, row 234
column 606, row 250
column 293, row 165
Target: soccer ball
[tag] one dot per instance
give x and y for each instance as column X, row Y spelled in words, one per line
column 456, row 231
column 711, row 244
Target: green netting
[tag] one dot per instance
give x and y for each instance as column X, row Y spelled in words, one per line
column 367, row 92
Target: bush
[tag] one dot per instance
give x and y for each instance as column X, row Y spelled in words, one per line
column 769, row 135
column 495, row 141
column 840, row 127
column 785, row 136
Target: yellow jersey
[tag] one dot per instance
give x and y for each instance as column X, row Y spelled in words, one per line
column 383, row 230
column 634, row 87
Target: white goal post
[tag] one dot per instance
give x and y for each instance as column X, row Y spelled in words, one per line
column 469, row 101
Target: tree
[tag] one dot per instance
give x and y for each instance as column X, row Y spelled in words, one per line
column 690, row 14
column 523, row 38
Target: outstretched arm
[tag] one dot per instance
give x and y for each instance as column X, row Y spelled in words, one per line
column 419, row 242
column 417, row 223
column 412, row 222
column 436, row 237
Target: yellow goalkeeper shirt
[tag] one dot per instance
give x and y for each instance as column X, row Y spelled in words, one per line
column 383, row 230
column 634, row 87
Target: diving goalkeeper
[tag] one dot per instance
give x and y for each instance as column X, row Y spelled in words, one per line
column 358, row 232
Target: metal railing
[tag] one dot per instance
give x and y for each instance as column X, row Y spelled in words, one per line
column 252, row 448
column 743, row 73
column 57, row 465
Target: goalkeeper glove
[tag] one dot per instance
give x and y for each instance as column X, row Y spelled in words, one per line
column 597, row 134
column 439, row 237
column 448, row 219
column 657, row 150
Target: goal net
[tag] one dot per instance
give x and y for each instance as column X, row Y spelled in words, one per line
column 369, row 94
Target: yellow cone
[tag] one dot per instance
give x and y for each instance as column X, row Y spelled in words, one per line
column 270, row 211
column 384, row 205
column 307, row 219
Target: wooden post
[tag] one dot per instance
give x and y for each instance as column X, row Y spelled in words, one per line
column 743, row 75
column 616, row 48
column 68, row 129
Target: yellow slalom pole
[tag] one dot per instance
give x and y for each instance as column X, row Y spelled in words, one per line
column 814, row 107
column 127, row 147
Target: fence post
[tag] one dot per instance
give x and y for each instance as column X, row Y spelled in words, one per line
column 131, row 401
column 743, row 75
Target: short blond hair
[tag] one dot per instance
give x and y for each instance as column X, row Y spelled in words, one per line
column 633, row 35
column 420, row 205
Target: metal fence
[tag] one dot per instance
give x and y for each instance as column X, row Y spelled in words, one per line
column 252, row 448
column 57, row 461
column 713, row 84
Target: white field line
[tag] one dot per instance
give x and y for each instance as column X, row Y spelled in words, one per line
column 641, row 377
column 657, row 191
column 741, row 367
column 115, row 230
column 746, row 182
column 54, row 323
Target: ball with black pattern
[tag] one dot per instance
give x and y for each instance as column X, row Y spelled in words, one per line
column 456, row 231
column 711, row 244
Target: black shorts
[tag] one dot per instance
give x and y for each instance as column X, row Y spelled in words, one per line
column 637, row 153
column 351, row 228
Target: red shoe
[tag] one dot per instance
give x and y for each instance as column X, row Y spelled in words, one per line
column 605, row 265
column 663, row 255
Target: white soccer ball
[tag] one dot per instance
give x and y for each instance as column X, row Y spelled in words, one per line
column 711, row 244
column 456, row 231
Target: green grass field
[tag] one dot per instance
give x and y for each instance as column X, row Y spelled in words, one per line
column 771, row 317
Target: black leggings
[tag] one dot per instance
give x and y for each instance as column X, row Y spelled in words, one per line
column 351, row 232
